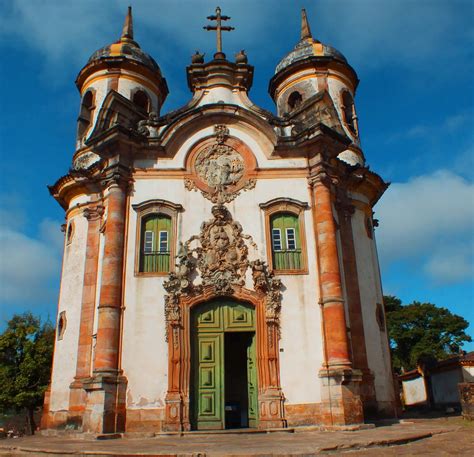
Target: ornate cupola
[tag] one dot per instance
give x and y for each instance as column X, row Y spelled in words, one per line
column 311, row 68
column 125, row 68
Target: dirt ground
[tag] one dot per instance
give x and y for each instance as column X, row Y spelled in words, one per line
column 435, row 436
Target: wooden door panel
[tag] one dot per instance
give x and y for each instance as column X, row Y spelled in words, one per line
column 252, row 383
column 238, row 318
column 210, row 403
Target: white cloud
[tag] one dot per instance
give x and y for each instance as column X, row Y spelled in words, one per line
column 29, row 265
column 430, row 220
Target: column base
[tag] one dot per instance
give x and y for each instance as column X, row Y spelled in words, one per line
column 271, row 411
column 367, row 394
column 176, row 413
column 105, row 408
column 341, row 402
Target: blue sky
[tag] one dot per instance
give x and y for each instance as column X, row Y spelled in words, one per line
column 415, row 104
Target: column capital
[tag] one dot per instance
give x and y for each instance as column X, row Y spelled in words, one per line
column 320, row 174
column 116, row 176
column 93, row 213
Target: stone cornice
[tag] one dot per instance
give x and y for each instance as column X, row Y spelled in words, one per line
column 362, row 180
column 219, row 72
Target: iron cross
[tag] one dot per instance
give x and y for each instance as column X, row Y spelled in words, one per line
column 219, row 28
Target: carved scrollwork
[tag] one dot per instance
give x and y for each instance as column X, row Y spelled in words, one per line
column 219, row 256
column 148, row 127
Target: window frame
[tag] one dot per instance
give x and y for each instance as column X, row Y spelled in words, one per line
column 86, row 115
column 351, row 124
column 156, row 207
column 291, row 206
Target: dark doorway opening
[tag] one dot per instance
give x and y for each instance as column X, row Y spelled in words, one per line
column 236, row 401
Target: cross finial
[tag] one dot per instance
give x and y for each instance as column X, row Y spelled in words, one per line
column 219, row 28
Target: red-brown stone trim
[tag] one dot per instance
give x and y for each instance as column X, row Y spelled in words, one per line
column 270, row 395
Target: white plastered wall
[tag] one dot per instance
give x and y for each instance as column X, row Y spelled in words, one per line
column 70, row 301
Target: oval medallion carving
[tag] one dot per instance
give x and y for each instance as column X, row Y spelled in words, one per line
column 219, row 165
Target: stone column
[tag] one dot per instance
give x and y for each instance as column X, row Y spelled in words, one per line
column 77, row 398
column 105, row 410
column 341, row 402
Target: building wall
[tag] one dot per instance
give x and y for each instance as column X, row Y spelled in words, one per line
column 414, row 391
column 468, row 373
column 444, row 386
column 70, row 301
column 378, row 353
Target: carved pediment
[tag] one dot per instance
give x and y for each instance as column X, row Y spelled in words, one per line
column 218, row 256
column 318, row 109
column 116, row 110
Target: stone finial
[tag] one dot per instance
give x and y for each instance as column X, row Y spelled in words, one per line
column 127, row 31
column 197, row 58
column 241, row 57
column 305, row 30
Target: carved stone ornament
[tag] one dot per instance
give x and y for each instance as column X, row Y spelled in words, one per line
column 221, row 168
column 85, row 160
column 149, row 127
column 219, row 256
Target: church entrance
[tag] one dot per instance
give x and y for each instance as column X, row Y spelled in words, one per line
column 223, row 366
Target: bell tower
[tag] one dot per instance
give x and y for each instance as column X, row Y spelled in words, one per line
column 122, row 67
column 313, row 67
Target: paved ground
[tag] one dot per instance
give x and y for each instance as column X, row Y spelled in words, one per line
column 439, row 437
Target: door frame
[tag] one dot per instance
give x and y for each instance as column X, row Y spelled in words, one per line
column 270, row 395
column 212, row 333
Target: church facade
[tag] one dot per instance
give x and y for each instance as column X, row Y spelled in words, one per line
column 220, row 268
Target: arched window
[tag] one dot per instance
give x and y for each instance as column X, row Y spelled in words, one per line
column 348, row 110
column 286, row 242
column 85, row 115
column 294, row 100
column 155, row 247
column 62, row 321
column 155, row 244
column 70, row 232
column 141, row 101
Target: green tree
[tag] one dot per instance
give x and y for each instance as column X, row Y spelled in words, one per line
column 422, row 331
column 26, row 353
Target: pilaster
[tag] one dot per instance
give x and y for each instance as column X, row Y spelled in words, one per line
column 345, row 211
column 77, row 398
column 105, row 389
column 340, row 383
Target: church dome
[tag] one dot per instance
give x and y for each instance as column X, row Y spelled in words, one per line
column 126, row 48
column 129, row 50
column 308, row 47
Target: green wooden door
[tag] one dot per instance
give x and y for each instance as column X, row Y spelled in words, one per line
column 252, row 383
column 210, row 381
column 210, row 322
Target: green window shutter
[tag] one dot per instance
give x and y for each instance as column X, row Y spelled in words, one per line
column 286, row 242
column 155, row 244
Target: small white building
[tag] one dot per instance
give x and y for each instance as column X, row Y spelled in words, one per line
column 220, row 267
